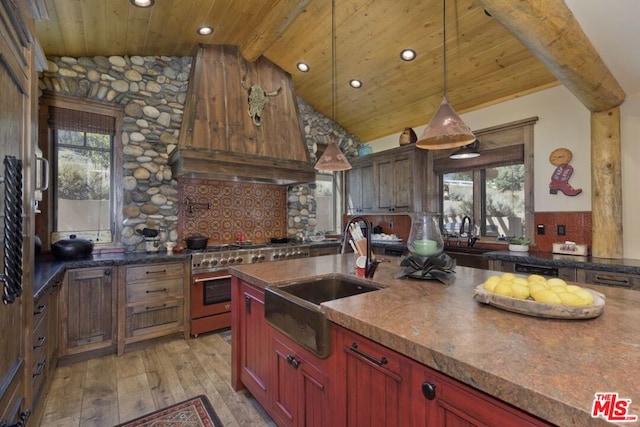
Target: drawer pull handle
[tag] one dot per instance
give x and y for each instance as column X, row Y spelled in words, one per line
column 40, row 343
column 156, row 272
column 41, row 309
column 293, row 361
column 24, row 416
column 429, row 390
column 612, row 281
column 156, row 307
column 383, row 360
column 156, row 290
column 39, row 368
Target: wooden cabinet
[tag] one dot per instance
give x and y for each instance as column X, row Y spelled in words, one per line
column 605, row 278
column 388, row 181
column 44, row 343
column 384, row 387
column 251, row 340
column 395, row 183
column 152, row 304
column 301, row 392
column 377, row 382
column 88, row 310
column 360, row 181
column 443, row 401
column 325, row 250
column 566, row 273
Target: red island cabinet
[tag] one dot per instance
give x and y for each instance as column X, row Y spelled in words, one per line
column 250, row 341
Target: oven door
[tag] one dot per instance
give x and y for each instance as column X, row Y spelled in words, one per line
column 210, row 293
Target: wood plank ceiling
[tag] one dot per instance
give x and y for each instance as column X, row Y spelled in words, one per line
column 485, row 63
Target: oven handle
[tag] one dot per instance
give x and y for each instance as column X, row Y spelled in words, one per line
column 206, row 279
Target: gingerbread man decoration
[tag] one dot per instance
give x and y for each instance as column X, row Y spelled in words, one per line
column 560, row 158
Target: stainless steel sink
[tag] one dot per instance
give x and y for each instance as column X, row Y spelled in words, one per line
column 294, row 309
column 468, row 257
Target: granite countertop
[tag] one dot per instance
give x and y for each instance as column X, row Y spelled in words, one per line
column 624, row 265
column 49, row 270
column 550, row 368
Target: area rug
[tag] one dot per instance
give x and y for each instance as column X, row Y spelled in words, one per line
column 194, row 412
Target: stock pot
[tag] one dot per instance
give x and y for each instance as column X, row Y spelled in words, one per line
column 72, row 248
column 196, row 242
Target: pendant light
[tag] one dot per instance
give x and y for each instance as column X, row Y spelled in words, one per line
column 467, row 152
column 333, row 159
column 446, row 129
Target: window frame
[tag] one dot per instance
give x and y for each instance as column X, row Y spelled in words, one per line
column 511, row 143
column 45, row 221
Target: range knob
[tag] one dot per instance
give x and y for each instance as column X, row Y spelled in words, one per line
column 214, row 262
column 261, row 257
column 205, row 262
column 276, row 255
column 232, row 260
column 254, row 258
column 223, row 261
column 239, row 260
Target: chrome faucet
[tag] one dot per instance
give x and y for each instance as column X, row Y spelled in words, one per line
column 370, row 265
column 471, row 239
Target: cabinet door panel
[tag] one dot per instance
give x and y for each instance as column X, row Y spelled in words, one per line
column 386, row 198
column 255, row 336
column 368, row 189
column 284, row 394
column 403, row 183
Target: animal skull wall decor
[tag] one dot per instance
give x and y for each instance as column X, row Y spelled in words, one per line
column 257, row 100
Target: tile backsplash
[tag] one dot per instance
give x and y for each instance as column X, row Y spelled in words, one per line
column 577, row 227
column 257, row 210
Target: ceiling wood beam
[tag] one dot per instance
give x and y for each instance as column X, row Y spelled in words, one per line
column 550, row 31
column 271, row 27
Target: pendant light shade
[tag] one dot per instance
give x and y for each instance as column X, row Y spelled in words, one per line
column 333, row 159
column 446, row 129
column 467, row 152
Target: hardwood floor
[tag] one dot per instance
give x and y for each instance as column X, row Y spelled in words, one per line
column 108, row 390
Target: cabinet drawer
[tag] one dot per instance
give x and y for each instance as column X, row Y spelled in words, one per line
column 154, row 271
column 147, row 318
column 153, row 289
column 604, row 278
column 373, row 354
column 40, row 334
column 40, row 311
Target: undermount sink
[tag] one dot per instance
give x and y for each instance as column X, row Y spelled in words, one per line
column 294, row 309
column 468, row 257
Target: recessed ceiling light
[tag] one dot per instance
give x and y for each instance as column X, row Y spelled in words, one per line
column 408, row 55
column 142, row 3
column 302, row 67
column 205, row 31
column 355, row 83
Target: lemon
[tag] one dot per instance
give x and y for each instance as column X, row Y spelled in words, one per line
column 571, row 299
column 503, row 288
column 558, row 289
column 585, row 295
column 520, row 281
column 490, row 285
column 547, row 296
column 519, row 291
column 573, row 288
column 537, row 286
column 508, row 276
column 556, row 281
column 536, row 278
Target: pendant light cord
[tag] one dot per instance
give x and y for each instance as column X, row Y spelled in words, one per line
column 334, row 68
column 444, row 47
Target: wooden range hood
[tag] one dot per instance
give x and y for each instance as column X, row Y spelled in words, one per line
column 219, row 139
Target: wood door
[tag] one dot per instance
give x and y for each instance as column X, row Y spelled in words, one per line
column 285, row 390
column 88, row 308
column 255, row 341
column 378, row 383
column 16, row 75
column 403, row 182
column 386, row 179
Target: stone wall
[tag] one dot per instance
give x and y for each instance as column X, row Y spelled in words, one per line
column 152, row 91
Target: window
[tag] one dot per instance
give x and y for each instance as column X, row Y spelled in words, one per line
column 327, row 200
column 494, row 190
column 82, row 150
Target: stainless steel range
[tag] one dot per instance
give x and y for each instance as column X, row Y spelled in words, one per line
column 211, row 282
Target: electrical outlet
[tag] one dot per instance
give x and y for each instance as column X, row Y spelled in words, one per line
column 540, row 228
column 390, row 225
column 562, row 230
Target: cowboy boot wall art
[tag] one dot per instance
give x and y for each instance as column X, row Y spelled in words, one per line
column 560, row 158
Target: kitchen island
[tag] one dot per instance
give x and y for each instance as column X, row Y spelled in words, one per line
column 549, row 368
